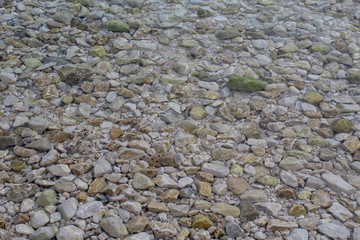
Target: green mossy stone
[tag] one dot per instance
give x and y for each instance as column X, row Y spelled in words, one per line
column 32, row 63
column 247, row 84
column 313, row 97
column 198, row 113
column 354, row 75
column 321, row 48
column 17, row 165
column 317, row 141
column 47, row 197
column 342, row 126
column 116, row 26
column 297, row 210
column 268, row 180
column 97, row 51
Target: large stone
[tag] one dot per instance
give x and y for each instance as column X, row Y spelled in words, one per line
column 334, row 230
column 38, row 124
column 225, row 209
column 340, row 212
column 248, row 211
column 201, row 221
column 352, row 144
column 39, row 219
column 44, row 233
column 114, row 227
column 218, row 170
column 116, row 26
column 131, row 153
column 275, row 224
column 254, row 195
column 88, row 209
column 68, row 208
column 142, row 182
column 42, row 144
column 70, row 232
column 59, row 170
column 237, row 185
column 47, row 197
column 163, row 230
column 342, row 126
column 247, row 84
column 233, row 229
column 102, row 167
column 321, row 198
column 19, row 192
column 6, row 141
column 223, row 154
column 137, row 224
column 321, row 48
column 337, row 183
column 313, row 97
column 298, row 234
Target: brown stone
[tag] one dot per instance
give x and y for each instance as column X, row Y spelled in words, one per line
column 19, row 192
column 166, row 159
column 204, row 188
column 149, row 172
column 116, row 132
column 321, row 198
column 21, row 218
column 325, row 132
column 97, row 185
column 23, row 152
column 204, row 176
column 237, row 185
column 137, row 224
column 169, row 196
column 58, row 136
column 286, row 192
column 157, row 207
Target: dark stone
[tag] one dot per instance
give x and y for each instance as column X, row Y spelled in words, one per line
column 248, row 211
column 6, row 141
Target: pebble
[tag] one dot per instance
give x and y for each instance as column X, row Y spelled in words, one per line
column 114, row 227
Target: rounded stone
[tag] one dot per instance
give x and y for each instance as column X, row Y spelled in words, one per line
column 313, row 97
column 342, row 126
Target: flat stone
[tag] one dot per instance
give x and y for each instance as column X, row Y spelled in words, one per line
column 114, row 227
column 165, row 181
column 6, row 141
column 38, row 124
column 24, row 152
column 45, row 233
column 97, row 185
column 157, row 207
column 254, row 195
column 59, row 170
column 42, row 144
column 131, row 153
column 275, row 224
column 225, row 209
column 142, row 182
column 337, row 183
column 321, row 198
column 334, row 230
column 291, row 164
column 179, row 210
column 298, row 234
column 223, row 154
column 269, row 207
column 70, row 232
column 340, row 212
column 248, row 211
column 116, row 26
column 309, row 223
column 218, row 170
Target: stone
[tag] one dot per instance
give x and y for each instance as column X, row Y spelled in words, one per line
column 223, row 154
column 6, row 141
column 88, row 209
column 47, row 197
column 351, row 144
column 317, row 141
column 225, row 209
column 163, row 230
column 334, row 230
column 313, row 97
column 321, row 48
column 170, row 79
column 321, row 198
column 59, row 170
column 233, row 229
column 116, row 26
column 19, row 192
column 179, row 210
column 42, row 144
column 70, row 232
column 17, row 165
column 114, row 227
column 247, row 84
column 254, row 195
column 97, row 185
column 116, row 132
column 275, row 224
column 102, row 167
column 298, row 234
column 340, row 212
column 342, row 126
column 201, row 221
column 157, row 207
column 269, row 207
column 39, row 219
column 309, row 223
column 137, row 224
column 198, row 113
column 291, row 164
column 237, row 185
column 24, row 229
column 132, row 206
column 204, row 188
column 267, row 180
column 337, row 183
column 218, row 170
column 142, row 182
column 228, row 32
column 297, row 210
column 68, row 208
column 248, row 211
column 97, row 51
column 45, row 233
column 8, row 77
column 38, row 124
column 24, row 152
column 32, row 62
column 170, row 195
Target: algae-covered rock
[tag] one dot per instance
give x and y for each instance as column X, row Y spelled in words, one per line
column 313, row 97
column 97, row 51
column 320, row 47
column 116, row 26
column 342, row 126
column 247, row 84
column 201, row 221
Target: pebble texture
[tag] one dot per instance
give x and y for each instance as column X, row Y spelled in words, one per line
column 179, row 119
